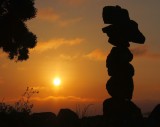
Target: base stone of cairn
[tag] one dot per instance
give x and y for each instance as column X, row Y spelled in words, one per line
column 121, row 113
column 119, row 110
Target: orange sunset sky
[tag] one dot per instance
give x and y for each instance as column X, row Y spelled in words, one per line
column 72, row 46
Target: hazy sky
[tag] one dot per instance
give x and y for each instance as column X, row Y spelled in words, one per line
column 72, row 46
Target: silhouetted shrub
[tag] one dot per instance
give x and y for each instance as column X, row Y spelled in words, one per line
column 18, row 114
column 23, row 105
column 83, row 112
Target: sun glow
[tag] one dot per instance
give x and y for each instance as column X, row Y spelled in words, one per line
column 56, row 81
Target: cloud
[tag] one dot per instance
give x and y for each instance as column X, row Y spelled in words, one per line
column 1, row 80
column 51, row 15
column 64, row 98
column 154, row 55
column 139, row 51
column 145, row 52
column 57, row 98
column 68, row 22
column 73, row 2
column 97, row 55
column 3, row 54
column 21, row 68
column 68, row 57
column 48, row 14
column 4, row 65
column 56, row 43
column 55, row 103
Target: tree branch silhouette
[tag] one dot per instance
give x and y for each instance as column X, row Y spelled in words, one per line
column 15, row 37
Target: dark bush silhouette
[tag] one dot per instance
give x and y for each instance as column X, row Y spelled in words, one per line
column 15, row 37
column 17, row 115
column 23, row 105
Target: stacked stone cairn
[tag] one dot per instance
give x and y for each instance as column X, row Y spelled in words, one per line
column 119, row 110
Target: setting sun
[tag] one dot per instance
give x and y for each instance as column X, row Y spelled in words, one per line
column 56, row 81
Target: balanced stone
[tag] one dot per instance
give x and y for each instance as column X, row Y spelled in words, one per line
column 114, row 15
column 121, row 70
column 121, row 88
column 120, row 55
column 121, row 113
column 118, row 62
column 122, row 34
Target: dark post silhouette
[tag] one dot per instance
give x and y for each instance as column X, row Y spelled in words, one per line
column 119, row 110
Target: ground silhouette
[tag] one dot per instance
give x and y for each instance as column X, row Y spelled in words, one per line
column 68, row 118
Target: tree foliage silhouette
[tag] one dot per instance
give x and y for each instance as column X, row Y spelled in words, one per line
column 15, row 37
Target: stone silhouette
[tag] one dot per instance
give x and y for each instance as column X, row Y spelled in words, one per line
column 154, row 117
column 92, row 121
column 122, row 30
column 119, row 110
column 42, row 119
column 67, row 118
column 15, row 37
column 121, row 113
